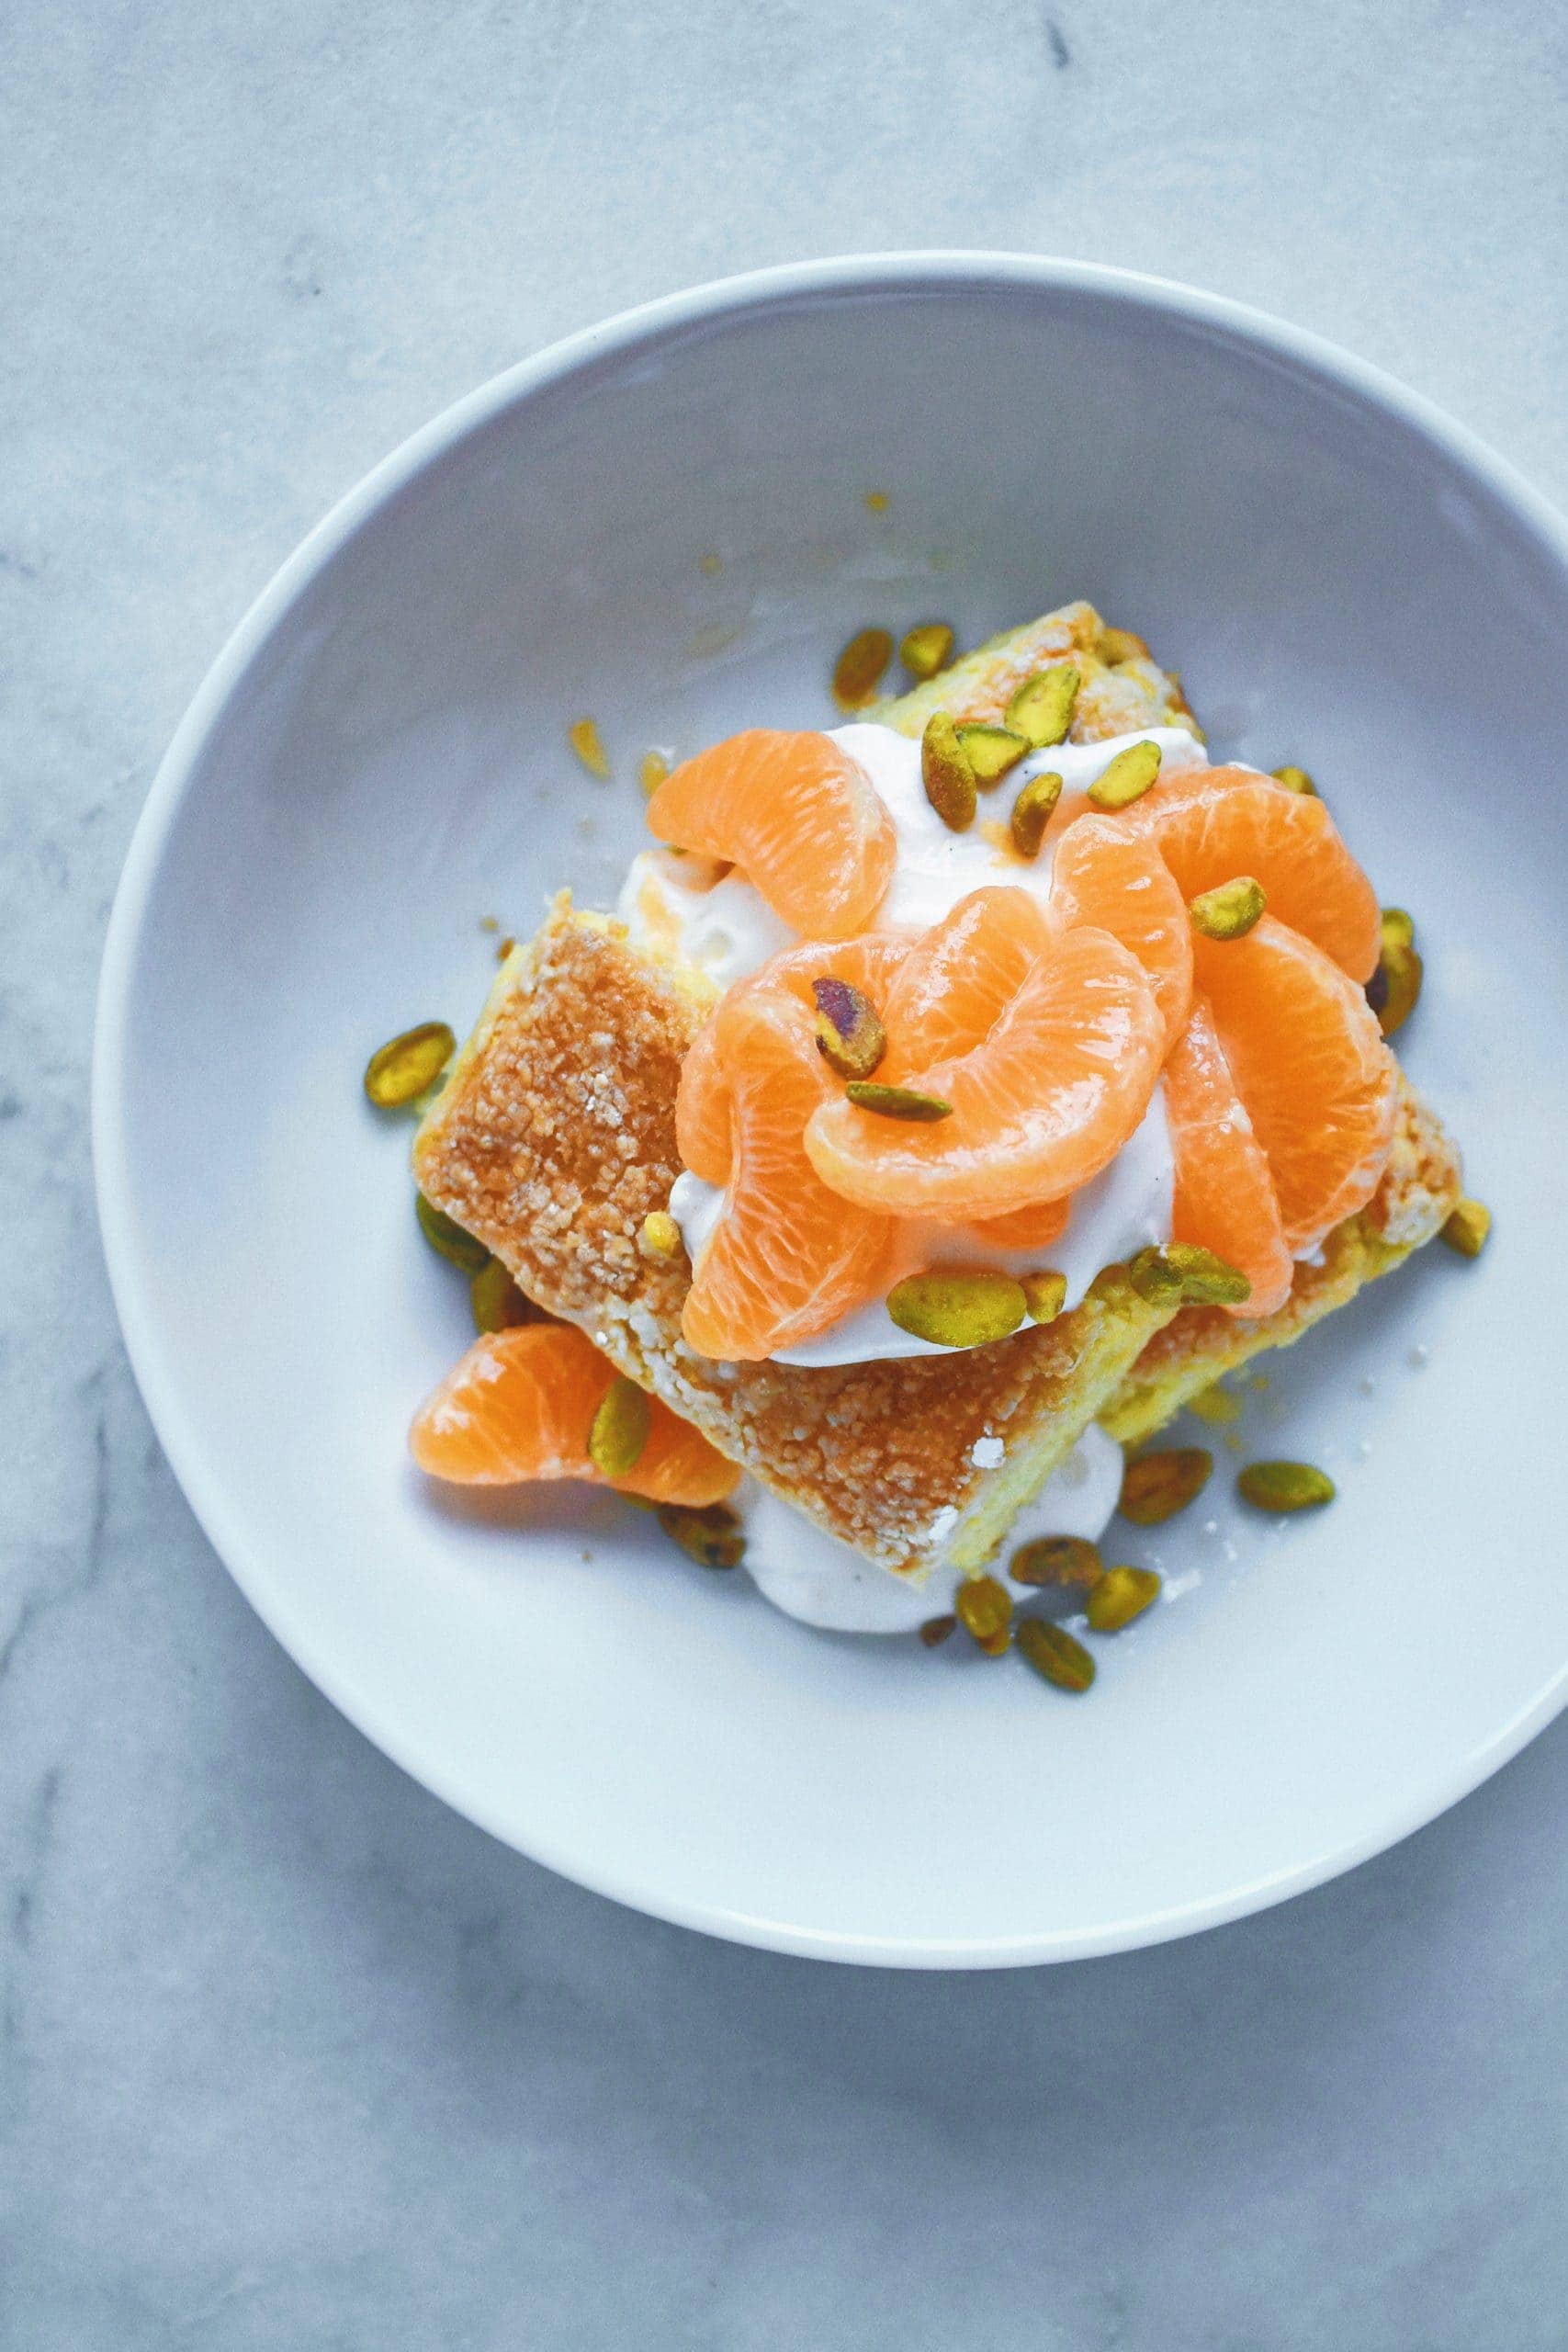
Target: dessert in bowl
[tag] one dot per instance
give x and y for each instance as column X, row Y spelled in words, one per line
column 381, row 759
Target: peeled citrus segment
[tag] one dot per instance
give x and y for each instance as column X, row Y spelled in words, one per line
column 1224, row 822
column 1119, row 880
column 1040, row 1105
column 797, row 814
column 959, row 977
column 1225, row 1199
column 1029, row 1228
column 519, row 1407
column 702, row 1126
column 1308, row 1060
column 787, row 1257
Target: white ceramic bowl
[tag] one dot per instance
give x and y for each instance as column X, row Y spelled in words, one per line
column 1344, row 579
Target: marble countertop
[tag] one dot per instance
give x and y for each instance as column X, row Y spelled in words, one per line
column 288, row 2054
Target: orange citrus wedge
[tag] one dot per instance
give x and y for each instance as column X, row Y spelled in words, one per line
column 1102, row 874
column 1309, row 1062
column 519, row 1408
column 797, row 814
column 1225, row 1199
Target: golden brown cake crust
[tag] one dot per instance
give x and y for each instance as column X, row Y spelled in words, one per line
column 555, row 1136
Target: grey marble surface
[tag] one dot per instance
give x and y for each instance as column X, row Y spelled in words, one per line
column 291, row 2056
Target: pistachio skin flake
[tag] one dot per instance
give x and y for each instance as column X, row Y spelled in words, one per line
column 1041, row 710
column 497, row 1302
column 1118, row 1596
column 898, row 1102
column 619, row 1430
column 1119, row 645
column 926, row 650
column 407, row 1066
column 946, row 774
column 660, row 1237
column 937, row 1629
column 1466, row 1227
column 958, row 1306
column 1156, row 1485
column 1284, row 1486
column 585, row 741
column 1127, row 778
column 858, row 671
column 1054, row 1654
column 1070, row 1560
column 709, row 1534
column 1032, row 812
column 850, row 1034
column 1295, row 780
column 1044, row 1294
column 448, row 1239
column 1230, row 910
column 984, row 1609
column 991, row 751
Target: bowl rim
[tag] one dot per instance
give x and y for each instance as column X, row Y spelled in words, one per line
column 156, row 1375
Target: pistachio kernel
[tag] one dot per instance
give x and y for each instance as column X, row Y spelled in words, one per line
column 1395, row 986
column 1032, row 812
column 946, row 774
column 936, row 1631
column 584, row 738
column 1054, row 1654
column 1229, row 911
column 1041, row 710
column 496, row 1301
column 1156, row 1485
column 858, row 671
column 1206, row 1280
column 1044, row 1294
column 958, row 1306
column 850, row 1034
column 1056, row 1559
column 448, row 1239
column 1127, row 778
column 926, row 650
column 991, row 752
column 984, row 1608
column 659, row 1236
column 652, row 769
column 1396, row 928
column 1284, row 1486
column 1295, row 780
column 1466, row 1227
column 1119, row 1596
column 709, row 1534
column 897, row 1101
column 1154, row 1277
column 402, row 1070
column 1117, row 645
column 619, row 1430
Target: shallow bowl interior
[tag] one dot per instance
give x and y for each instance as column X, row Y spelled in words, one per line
column 379, row 761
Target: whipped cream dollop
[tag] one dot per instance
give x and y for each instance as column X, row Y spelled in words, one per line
column 672, row 906
column 813, row 1577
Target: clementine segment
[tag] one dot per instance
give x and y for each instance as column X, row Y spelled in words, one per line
column 797, row 814
column 519, row 1405
column 1105, row 875
column 1056, row 1081
column 1225, row 1199
column 1310, row 1064
column 1219, row 822
column 1029, row 1228
column 787, row 1257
